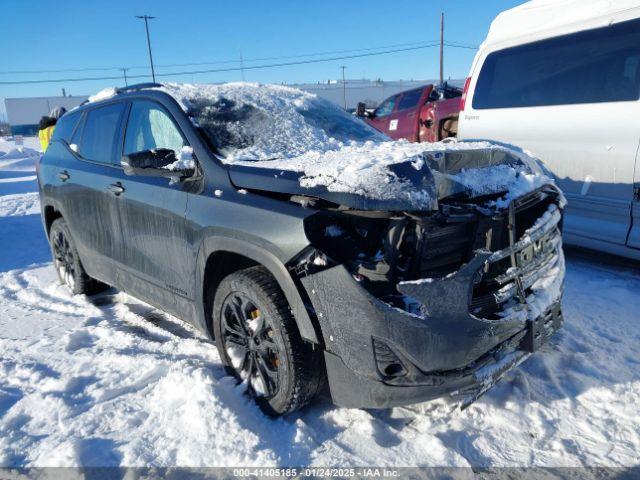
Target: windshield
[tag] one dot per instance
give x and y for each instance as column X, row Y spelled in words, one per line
column 262, row 122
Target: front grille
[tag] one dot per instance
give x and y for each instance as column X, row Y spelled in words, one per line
column 501, row 283
column 445, row 247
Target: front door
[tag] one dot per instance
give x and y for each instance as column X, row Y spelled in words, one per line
column 154, row 262
column 383, row 119
column 407, row 114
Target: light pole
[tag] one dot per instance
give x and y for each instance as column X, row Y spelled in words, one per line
column 344, row 87
column 124, row 73
column 146, row 19
column 441, row 48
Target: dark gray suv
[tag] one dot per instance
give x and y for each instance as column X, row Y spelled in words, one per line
column 308, row 246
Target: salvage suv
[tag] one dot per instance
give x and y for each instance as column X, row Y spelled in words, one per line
column 310, row 247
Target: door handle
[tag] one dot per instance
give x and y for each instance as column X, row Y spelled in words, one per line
column 116, row 188
column 64, row 176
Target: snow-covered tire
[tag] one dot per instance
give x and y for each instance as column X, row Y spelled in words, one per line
column 67, row 262
column 273, row 342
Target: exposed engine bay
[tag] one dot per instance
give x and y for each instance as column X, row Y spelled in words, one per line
column 383, row 250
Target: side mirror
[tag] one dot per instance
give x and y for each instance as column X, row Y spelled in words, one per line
column 361, row 111
column 159, row 162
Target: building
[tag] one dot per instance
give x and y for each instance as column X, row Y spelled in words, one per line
column 24, row 114
column 371, row 92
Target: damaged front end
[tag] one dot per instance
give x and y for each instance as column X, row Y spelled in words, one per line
column 414, row 306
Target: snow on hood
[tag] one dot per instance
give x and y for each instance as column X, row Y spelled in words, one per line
column 398, row 175
column 272, row 129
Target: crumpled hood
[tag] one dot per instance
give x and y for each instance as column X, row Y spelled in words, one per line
column 395, row 176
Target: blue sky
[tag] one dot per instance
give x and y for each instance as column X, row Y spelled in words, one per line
column 46, row 35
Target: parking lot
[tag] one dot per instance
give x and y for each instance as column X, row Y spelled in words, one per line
column 89, row 381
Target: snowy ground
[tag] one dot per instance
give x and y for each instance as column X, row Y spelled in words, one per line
column 111, row 381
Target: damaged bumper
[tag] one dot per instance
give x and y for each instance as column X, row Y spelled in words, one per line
column 378, row 355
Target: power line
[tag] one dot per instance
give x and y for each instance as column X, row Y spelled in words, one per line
column 220, row 70
column 300, row 62
column 302, row 55
column 461, row 45
column 221, row 62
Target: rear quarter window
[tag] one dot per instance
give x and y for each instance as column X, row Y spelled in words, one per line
column 65, row 127
column 593, row 66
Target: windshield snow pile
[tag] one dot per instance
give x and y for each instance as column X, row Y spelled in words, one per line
column 246, row 121
column 286, row 129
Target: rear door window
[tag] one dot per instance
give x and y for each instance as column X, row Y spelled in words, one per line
column 410, row 99
column 100, row 132
column 594, row 66
column 150, row 127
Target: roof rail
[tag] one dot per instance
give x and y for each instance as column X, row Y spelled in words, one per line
column 131, row 88
column 137, row 86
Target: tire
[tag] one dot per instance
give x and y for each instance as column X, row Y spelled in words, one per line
column 286, row 372
column 67, row 262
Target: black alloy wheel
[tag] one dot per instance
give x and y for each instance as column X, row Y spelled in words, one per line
column 249, row 342
column 259, row 343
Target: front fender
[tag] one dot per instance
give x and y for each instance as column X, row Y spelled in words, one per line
column 268, row 260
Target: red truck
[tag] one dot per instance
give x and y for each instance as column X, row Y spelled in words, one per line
column 425, row 114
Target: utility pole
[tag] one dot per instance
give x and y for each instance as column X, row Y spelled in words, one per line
column 146, row 19
column 241, row 65
column 344, row 87
column 441, row 48
column 124, row 73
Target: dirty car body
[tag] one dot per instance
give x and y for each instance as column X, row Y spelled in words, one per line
column 419, row 270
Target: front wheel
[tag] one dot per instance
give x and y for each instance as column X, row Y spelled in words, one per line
column 259, row 342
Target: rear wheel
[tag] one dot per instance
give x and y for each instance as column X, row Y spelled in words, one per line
column 259, row 342
column 67, row 262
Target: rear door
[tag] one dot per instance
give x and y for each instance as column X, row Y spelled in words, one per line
column 86, row 177
column 382, row 117
column 154, row 261
column 573, row 102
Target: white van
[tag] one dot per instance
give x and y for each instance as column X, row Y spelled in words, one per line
column 561, row 79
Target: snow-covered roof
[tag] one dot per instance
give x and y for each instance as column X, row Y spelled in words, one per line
column 543, row 18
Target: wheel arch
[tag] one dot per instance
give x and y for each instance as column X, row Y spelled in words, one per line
column 219, row 257
column 49, row 214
